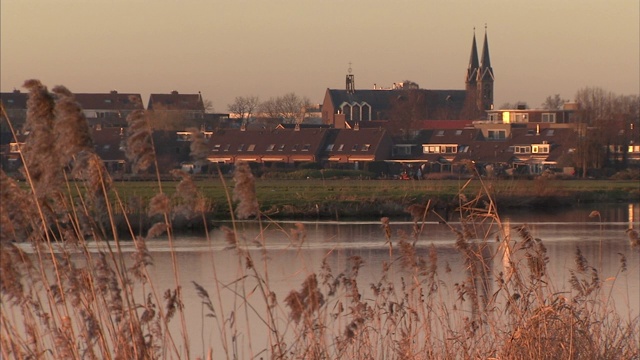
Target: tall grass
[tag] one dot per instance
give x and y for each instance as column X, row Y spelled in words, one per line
column 68, row 291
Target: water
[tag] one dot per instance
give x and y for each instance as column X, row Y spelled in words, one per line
column 284, row 261
column 601, row 240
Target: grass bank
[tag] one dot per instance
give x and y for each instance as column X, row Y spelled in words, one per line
column 342, row 199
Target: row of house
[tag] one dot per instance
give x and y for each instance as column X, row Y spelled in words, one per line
column 520, row 149
column 111, row 109
column 390, row 129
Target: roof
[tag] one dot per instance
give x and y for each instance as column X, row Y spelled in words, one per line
column 355, row 142
column 439, row 104
column 109, row 101
column 276, row 142
column 176, row 101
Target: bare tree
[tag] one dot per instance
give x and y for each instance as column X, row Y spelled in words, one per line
column 293, row 108
column 289, row 108
column 554, row 102
column 603, row 118
column 269, row 109
column 244, row 107
column 208, row 106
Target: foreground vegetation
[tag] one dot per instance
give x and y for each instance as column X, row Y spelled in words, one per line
column 68, row 291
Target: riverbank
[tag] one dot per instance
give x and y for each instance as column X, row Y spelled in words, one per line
column 372, row 199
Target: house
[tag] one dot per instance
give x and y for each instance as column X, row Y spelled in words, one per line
column 108, row 109
column 108, row 144
column 188, row 106
column 15, row 105
column 548, row 117
column 495, row 148
column 357, row 147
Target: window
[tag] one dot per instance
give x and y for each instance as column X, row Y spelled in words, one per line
column 227, row 147
column 295, row 147
column 430, row 149
column 340, row 147
column 548, row 117
column 463, row 148
column 306, row 147
column 450, row 149
column 355, row 147
column 366, row 147
column 216, row 147
column 281, row 147
column 251, row 147
column 520, row 118
column 458, row 132
column 440, row 133
column 14, row 148
column 522, row 149
column 540, row 149
column 241, row 147
column 496, row 134
column 271, row 147
column 329, row 147
column 550, row 132
column 494, row 117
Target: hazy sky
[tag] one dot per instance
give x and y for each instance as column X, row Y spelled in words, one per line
column 229, row 48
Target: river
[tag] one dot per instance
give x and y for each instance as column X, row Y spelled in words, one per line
column 285, row 253
column 602, row 238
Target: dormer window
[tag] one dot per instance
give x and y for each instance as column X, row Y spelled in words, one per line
column 540, row 149
column 522, row 149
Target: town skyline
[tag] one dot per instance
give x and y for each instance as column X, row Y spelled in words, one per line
column 267, row 49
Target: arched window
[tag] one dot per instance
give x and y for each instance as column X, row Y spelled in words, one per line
column 366, row 112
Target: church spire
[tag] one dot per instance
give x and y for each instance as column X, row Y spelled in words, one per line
column 472, row 71
column 486, row 71
column 485, row 77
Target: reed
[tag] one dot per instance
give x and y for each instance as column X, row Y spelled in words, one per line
column 68, row 290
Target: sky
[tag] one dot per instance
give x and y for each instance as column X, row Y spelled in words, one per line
column 267, row 48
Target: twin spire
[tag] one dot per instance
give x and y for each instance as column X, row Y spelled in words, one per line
column 479, row 70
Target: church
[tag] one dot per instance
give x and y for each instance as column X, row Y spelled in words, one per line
column 407, row 104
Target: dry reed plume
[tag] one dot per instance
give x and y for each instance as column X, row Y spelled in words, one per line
column 244, row 192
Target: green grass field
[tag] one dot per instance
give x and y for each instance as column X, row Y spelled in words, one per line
column 372, row 197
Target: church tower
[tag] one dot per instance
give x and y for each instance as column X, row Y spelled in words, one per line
column 485, row 77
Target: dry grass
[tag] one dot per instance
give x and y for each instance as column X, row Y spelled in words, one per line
column 76, row 295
